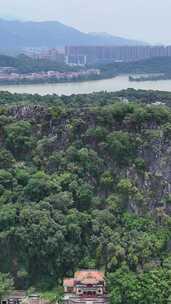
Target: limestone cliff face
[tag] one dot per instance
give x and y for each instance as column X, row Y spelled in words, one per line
column 152, row 184
column 155, row 182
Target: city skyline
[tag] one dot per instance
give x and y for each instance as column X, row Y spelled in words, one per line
column 135, row 19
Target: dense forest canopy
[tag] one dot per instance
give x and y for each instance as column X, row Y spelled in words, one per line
column 85, row 183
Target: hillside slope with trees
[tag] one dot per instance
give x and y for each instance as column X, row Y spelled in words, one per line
column 86, row 185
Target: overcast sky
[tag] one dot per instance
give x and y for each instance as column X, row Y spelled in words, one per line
column 148, row 20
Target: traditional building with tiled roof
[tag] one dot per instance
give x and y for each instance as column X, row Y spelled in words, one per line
column 86, row 285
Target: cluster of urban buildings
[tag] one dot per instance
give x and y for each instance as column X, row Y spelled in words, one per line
column 82, row 55
column 10, row 75
column 54, row 54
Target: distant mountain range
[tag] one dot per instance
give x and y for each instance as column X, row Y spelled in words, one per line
column 49, row 34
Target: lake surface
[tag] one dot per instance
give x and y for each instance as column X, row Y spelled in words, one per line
column 109, row 85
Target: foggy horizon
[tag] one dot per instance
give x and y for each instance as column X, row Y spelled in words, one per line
column 134, row 19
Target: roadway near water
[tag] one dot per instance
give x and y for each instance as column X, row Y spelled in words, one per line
column 109, row 85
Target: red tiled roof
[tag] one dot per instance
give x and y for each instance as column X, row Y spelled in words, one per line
column 69, row 282
column 89, row 275
column 85, row 277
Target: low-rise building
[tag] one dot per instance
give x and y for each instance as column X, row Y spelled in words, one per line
column 87, row 286
column 15, row 297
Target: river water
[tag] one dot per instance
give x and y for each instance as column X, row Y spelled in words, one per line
column 109, row 85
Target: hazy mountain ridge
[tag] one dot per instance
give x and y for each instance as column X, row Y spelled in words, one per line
column 19, row 34
column 118, row 40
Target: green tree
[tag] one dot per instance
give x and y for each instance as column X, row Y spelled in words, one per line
column 18, row 138
column 6, row 285
column 121, row 146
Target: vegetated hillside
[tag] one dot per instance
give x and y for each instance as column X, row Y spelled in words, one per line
column 87, row 187
column 17, row 34
column 25, row 64
column 147, row 66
